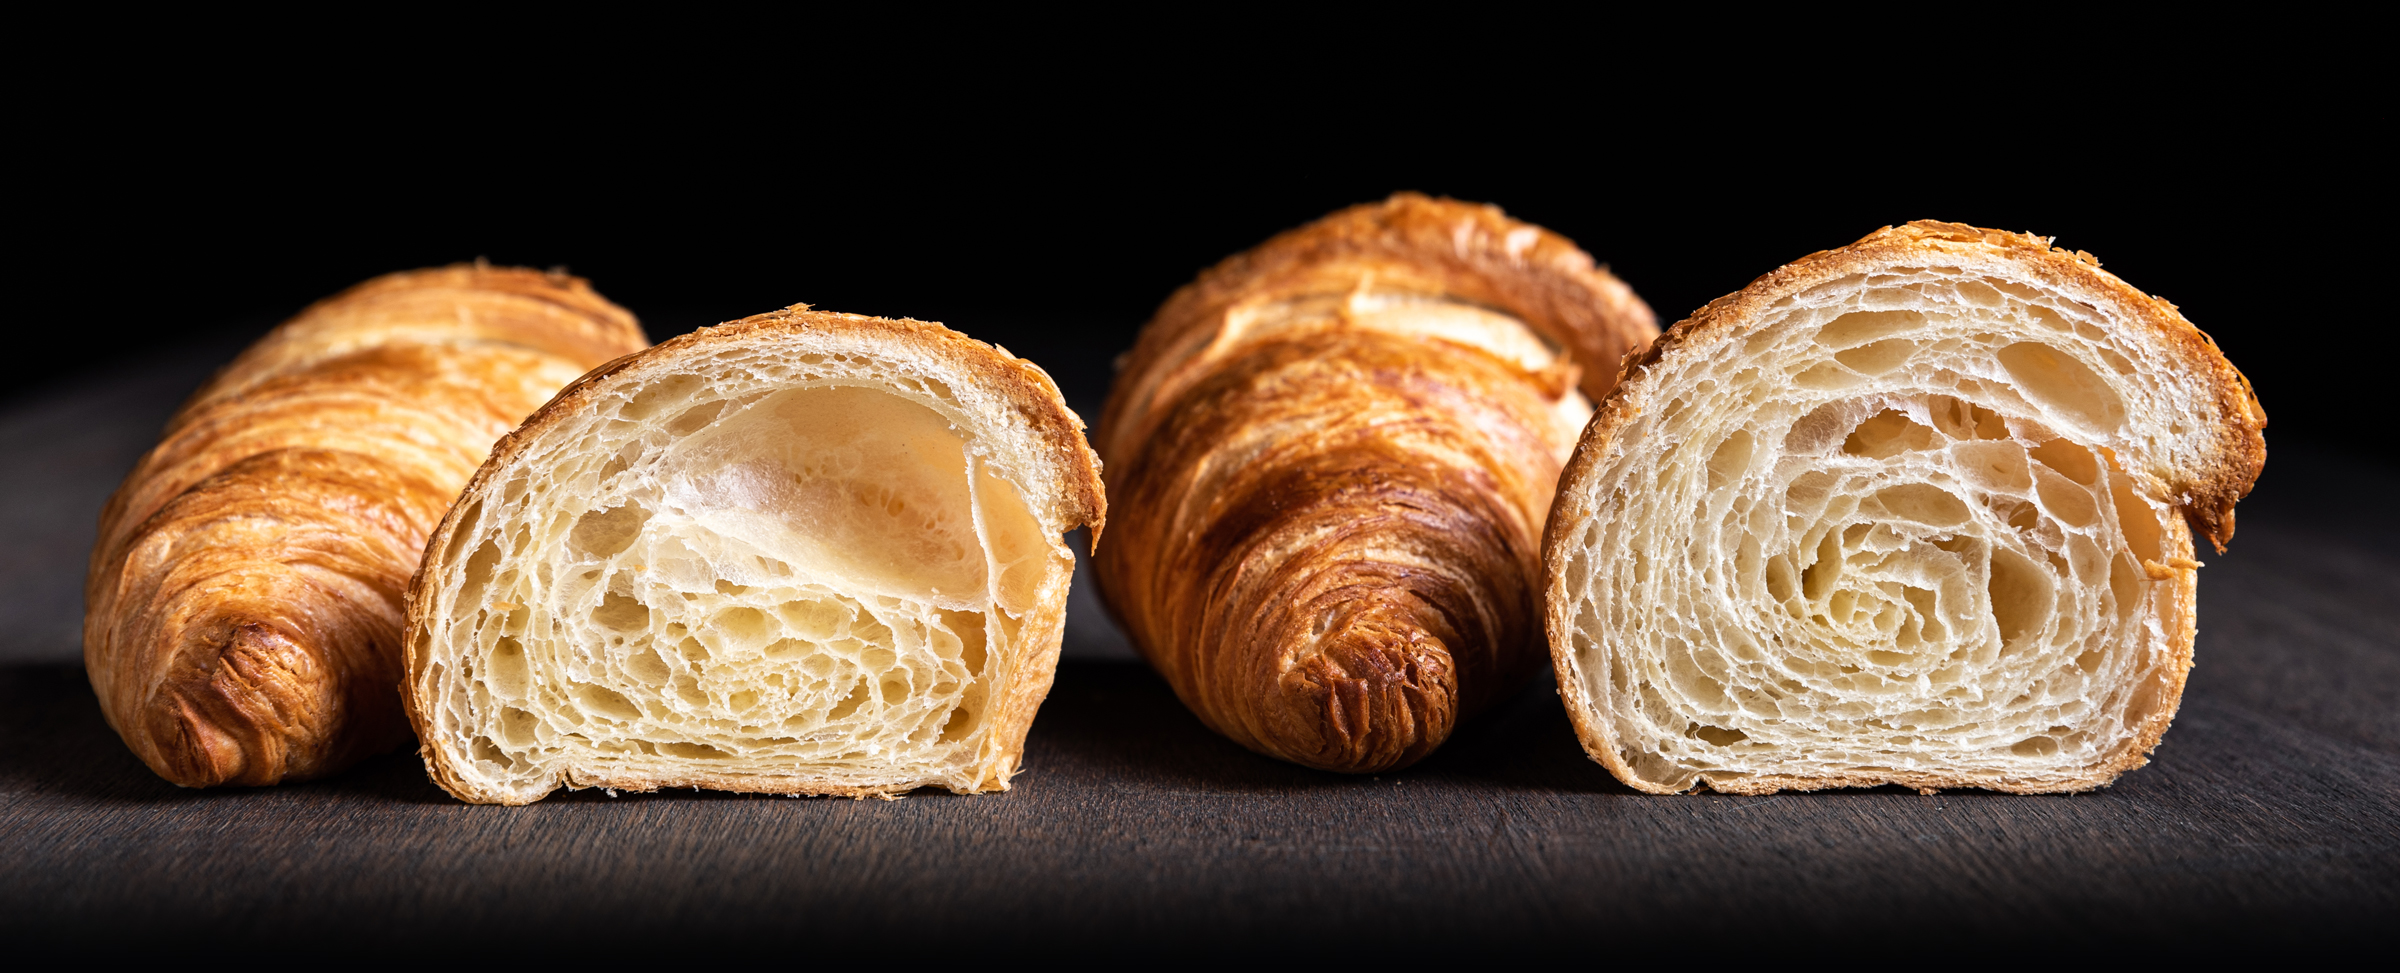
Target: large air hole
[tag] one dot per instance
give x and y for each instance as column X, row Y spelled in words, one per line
column 507, row 672
column 608, row 532
column 2022, row 596
column 1887, row 434
column 1923, row 503
column 1021, row 553
column 1960, row 419
column 1878, row 357
column 1996, row 466
column 603, row 701
column 1817, row 579
column 2066, row 500
column 858, row 485
column 968, row 626
column 669, row 391
column 621, row 613
column 2144, row 535
column 1860, row 327
column 1731, row 459
column 2065, row 386
column 2074, row 461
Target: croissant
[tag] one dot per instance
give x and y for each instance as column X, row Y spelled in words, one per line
column 1904, row 512
column 1331, row 457
column 801, row 553
column 242, row 612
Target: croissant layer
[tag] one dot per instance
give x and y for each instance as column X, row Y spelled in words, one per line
column 1912, row 511
column 1330, row 458
column 242, row 614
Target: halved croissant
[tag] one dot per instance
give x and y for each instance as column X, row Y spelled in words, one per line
column 801, row 553
column 1904, row 512
column 242, row 614
column 1331, row 457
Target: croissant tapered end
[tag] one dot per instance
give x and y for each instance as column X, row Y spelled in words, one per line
column 242, row 610
column 1906, row 512
column 1374, row 691
column 1330, row 457
column 245, row 638
column 250, row 707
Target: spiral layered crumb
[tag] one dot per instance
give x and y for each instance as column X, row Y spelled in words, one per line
column 804, row 553
column 1331, row 457
column 242, row 614
column 1908, row 512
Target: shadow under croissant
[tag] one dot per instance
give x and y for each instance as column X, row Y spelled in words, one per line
column 53, row 738
column 1121, row 725
column 1111, row 727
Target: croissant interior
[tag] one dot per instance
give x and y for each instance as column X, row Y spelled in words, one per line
column 804, row 553
column 1909, row 513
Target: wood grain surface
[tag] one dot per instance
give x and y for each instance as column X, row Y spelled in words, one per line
column 2270, row 817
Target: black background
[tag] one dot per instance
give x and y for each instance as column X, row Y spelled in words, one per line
column 1043, row 188
column 183, row 184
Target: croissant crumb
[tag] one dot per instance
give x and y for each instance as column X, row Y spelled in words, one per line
column 1908, row 512
column 804, row 553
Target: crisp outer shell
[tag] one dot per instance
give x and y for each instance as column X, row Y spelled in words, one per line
column 242, row 610
column 1469, row 251
column 1066, row 462
column 2202, row 483
column 1328, row 536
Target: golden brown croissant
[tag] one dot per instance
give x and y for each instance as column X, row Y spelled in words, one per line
column 1329, row 460
column 242, row 615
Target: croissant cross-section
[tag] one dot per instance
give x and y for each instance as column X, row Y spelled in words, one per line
column 803, row 553
column 1909, row 512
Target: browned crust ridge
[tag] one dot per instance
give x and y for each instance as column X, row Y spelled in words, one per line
column 1328, row 540
column 242, row 609
column 2204, row 493
column 1080, row 500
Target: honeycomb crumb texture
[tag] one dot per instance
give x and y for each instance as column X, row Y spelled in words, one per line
column 799, row 575
column 1895, row 529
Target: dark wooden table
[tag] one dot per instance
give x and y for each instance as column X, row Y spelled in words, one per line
column 2269, row 817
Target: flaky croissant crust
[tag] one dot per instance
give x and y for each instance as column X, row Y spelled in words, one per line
column 242, row 609
column 1328, row 506
column 2193, row 453
column 2204, row 474
column 1408, row 243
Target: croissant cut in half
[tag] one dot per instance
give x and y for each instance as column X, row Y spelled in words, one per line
column 801, row 553
column 1331, row 457
column 242, row 613
column 1907, row 512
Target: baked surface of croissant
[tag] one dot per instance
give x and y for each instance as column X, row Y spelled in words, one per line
column 1907, row 512
column 801, row 553
column 1330, row 458
column 242, row 611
